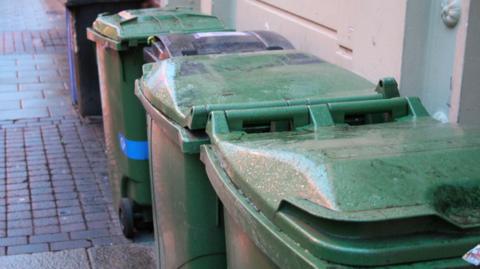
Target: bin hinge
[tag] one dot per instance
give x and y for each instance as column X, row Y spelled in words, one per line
column 388, row 87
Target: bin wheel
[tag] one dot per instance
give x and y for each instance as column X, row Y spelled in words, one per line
column 125, row 213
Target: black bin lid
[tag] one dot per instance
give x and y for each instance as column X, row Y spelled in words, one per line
column 174, row 45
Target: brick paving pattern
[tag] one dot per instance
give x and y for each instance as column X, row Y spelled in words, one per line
column 54, row 191
column 31, row 15
column 34, row 85
column 14, row 42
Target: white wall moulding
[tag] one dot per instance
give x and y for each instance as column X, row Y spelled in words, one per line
column 466, row 79
column 428, row 57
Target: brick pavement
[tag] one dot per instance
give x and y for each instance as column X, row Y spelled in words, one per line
column 34, row 85
column 31, row 15
column 24, row 41
column 54, row 192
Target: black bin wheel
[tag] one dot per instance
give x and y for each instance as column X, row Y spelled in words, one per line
column 125, row 213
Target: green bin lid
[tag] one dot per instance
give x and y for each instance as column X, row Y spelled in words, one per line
column 186, row 89
column 136, row 25
column 368, row 195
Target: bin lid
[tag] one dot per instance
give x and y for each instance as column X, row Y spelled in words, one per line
column 185, row 89
column 373, row 194
column 136, row 25
column 175, row 45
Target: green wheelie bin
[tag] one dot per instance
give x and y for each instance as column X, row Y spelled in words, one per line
column 120, row 39
column 373, row 183
column 180, row 92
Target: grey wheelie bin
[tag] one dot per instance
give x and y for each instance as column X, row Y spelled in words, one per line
column 80, row 14
column 180, row 92
column 372, row 183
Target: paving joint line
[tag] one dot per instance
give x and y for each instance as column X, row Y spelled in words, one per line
column 100, row 188
column 73, row 179
column 5, row 179
column 30, row 196
column 42, row 137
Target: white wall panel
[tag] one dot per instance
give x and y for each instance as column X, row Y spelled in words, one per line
column 363, row 36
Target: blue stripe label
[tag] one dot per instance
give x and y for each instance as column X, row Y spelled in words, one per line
column 135, row 150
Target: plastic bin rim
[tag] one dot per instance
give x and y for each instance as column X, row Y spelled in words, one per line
column 233, row 199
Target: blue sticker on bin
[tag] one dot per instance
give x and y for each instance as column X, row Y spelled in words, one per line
column 135, row 150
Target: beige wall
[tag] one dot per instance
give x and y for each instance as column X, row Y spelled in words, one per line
column 406, row 39
column 363, row 36
column 465, row 105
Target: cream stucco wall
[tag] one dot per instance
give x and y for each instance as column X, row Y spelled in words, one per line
column 405, row 39
column 363, row 36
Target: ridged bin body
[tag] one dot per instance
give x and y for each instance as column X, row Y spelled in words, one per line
column 120, row 39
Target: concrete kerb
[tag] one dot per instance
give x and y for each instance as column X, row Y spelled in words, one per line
column 123, row 256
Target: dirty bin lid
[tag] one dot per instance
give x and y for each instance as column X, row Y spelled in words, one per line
column 136, row 25
column 175, row 45
column 368, row 195
column 185, row 89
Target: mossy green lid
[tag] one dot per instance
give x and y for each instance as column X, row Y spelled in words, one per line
column 185, row 89
column 136, row 25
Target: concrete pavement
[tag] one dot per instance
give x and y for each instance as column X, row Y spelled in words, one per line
column 127, row 256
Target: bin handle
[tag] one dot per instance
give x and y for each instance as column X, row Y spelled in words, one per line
column 291, row 118
column 260, row 119
column 375, row 111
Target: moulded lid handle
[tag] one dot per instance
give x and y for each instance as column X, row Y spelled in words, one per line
column 259, row 120
column 375, row 111
column 291, row 118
